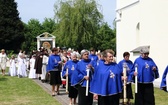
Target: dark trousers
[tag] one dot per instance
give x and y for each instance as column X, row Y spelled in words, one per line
column 82, row 98
column 145, row 95
column 128, row 91
column 73, row 92
column 108, row 100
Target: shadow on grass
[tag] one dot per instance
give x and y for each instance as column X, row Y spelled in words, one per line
column 2, row 78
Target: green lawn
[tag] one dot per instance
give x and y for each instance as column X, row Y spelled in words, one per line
column 161, row 97
column 23, row 91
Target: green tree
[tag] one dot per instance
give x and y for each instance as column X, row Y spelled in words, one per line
column 49, row 25
column 78, row 22
column 106, row 38
column 32, row 30
column 11, row 27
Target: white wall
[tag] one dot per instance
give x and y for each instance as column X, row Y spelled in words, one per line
column 153, row 18
column 126, row 30
column 153, row 27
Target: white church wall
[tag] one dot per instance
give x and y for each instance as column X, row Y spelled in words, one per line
column 126, row 31
column 152, row 17
column 154, row 30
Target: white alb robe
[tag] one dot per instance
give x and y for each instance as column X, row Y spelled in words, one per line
column 12, row 69
column 44, row 62
column 32, row 72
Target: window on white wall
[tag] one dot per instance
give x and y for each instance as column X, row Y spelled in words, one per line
column 137, row 34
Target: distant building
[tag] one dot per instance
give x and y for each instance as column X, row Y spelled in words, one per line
column 46, row 41
column 143, row 23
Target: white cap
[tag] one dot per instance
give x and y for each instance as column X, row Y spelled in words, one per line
column 144, row 50
column 83, row 51
column 69, row 49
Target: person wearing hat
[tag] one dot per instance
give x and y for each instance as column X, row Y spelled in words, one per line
column 80, row 78
column 147, row 72
column 3, row 60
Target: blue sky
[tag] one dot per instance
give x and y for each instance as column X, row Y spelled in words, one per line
column 40, row 9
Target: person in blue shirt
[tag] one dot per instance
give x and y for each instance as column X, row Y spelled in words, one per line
column 80, row 78
column 93, row 55
column 163, row 85
column 147, row 72
column 107, row 84
column 71, row 66
column 101, row 58
column 54, row 68
column 129, row 65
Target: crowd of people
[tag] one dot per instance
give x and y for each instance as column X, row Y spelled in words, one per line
column 90, row 75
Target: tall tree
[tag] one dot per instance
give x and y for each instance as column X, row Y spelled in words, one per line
column 106, row 38
column 49, row 25
column 78, row 22
column 11, row 27
column 32, row 30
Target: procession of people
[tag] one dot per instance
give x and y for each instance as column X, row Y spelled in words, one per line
column 90, row 75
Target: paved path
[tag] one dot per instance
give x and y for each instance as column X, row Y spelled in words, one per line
column 62, row 98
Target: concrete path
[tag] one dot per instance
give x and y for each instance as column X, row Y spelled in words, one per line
column 62, row 98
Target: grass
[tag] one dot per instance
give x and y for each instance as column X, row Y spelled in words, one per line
column 160, row 96
column 23, row 91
